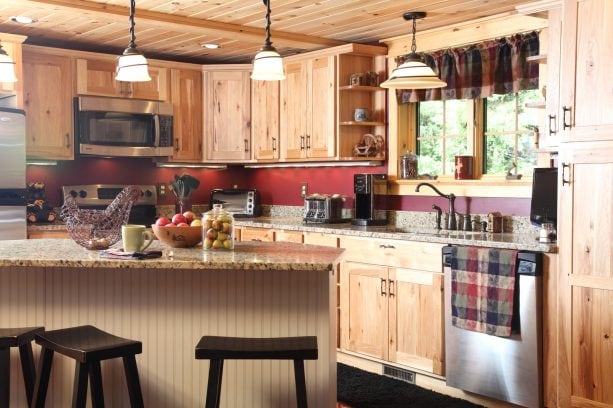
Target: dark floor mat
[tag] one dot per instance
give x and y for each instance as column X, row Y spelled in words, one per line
column 361, row 389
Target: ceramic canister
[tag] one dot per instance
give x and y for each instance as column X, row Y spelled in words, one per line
column 463, row 167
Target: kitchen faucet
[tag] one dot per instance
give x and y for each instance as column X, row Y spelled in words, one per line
column 451, row 220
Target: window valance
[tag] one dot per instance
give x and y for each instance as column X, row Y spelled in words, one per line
column 480, row 70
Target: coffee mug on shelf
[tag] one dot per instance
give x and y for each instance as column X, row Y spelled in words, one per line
column 136, row 238
column 361, row 114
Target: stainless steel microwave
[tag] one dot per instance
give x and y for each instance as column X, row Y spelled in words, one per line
column 123, row 127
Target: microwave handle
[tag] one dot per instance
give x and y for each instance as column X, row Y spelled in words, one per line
column 156, row 123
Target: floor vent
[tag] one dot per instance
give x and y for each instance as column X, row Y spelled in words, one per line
column 398, row 373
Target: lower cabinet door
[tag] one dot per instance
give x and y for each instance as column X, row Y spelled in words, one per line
column 416, row 324
column 364, row 309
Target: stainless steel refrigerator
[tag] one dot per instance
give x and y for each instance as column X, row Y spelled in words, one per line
column 12, row 174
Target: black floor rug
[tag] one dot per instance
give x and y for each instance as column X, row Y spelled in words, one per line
column 361, row 389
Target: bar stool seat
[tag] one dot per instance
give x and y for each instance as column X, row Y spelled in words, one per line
column 87, row 345
column 22, row 338
column 218, row 348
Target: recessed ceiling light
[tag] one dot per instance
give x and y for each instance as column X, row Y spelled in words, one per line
column 211, row 46
column 23, row 19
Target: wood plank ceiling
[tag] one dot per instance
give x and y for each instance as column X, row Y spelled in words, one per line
column 176, row 29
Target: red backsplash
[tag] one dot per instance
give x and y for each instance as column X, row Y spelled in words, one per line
column 279, row 186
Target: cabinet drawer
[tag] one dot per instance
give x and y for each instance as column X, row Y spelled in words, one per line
column 320, row 238
column 257, row 234
column 59, row 234
column 289, row 236
column 423, row 256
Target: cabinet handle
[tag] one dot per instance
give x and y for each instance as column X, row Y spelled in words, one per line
column 301, row 142
column 176, row 144
column 67, row 140
column 246, row 145
column 565, row 110
column 383, row 286
column 564, row 179
column 392, row 287
column 308, row 141
column 387, row 246
column 274, row 144
column 552, row 121
column 256, row 239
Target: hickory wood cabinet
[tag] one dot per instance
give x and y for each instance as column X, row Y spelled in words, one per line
column 308, row 97
column 392, row 302
column 48, row 104
column 186, row 99
column 265, row 120
column 227, row 112
column 585, row 221
column 97, row 77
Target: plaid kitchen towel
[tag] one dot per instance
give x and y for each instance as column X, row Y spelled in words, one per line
column 482, row 289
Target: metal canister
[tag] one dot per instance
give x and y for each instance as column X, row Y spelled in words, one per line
column 408, row 166
column 463, row 167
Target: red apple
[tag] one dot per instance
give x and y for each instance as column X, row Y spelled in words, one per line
column 170, row 224
column 182, row 224
column 189, row 216
column 162, row 221
column 178, row 219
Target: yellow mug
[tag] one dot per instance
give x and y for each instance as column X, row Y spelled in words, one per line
column 136, row 238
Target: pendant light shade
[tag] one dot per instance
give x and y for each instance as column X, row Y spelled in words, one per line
column 268, row 64
column 132, row 66
column 7, row 67
column 414, row 73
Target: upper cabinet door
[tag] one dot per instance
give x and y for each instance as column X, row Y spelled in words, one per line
column 186, row 96
column 97, row 77
column 227, row 96
column 586, row 111
column 14, row 88
column 294, row 111
column 321, row 135
column 265, row 119
column 48, row 105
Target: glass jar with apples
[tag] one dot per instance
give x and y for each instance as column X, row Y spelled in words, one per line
column 217, row 229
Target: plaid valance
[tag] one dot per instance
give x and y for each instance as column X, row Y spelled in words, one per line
column 480, row 70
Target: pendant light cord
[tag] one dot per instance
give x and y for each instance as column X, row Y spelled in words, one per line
column 267, row 42
column 132, row 36
column 413, row 44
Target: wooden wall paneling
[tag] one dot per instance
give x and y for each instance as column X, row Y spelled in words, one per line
column 168, row 310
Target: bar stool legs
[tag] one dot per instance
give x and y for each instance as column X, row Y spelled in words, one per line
column 301, row 396
column 5, row 377
column 213, row 394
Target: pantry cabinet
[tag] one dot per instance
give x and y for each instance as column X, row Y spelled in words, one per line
column 48, row 95
column 227, row 113
column 265, row 120
column 586, row 98
column 97, row 77
column 186, row 98
column 392, row 302
column 308, row 97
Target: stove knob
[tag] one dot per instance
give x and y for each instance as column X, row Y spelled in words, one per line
column 73, row 193
column 82, row 193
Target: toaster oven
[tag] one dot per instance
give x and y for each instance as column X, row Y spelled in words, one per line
column 239, row 202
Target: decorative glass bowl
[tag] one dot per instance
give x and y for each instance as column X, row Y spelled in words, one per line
column 99, row 229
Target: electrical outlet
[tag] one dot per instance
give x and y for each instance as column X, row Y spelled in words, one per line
column 161, row 190
column 303, row 189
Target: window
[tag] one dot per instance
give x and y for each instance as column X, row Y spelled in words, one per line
column 443, row 129
column 507, row 129
column 508, row 132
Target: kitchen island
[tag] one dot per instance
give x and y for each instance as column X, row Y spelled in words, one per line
column 258, row 289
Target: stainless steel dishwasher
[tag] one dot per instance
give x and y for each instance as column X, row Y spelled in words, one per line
column 504, row 368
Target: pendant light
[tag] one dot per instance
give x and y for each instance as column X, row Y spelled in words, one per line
column 268, row 64
column 132, row 66
column 414, row 73
column 7, row 67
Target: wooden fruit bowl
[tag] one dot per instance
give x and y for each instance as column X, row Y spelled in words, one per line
column 178, row 237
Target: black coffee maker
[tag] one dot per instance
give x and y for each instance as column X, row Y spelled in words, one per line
column 370, row 192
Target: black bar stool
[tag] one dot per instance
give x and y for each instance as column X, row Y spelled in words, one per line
column 22, row 338
column 88, row 345
column 217, row 349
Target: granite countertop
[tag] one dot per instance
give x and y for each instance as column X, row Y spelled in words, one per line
column 245, row 256
column 525, row 242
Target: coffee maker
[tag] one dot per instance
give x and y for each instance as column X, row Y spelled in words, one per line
column 370, row 192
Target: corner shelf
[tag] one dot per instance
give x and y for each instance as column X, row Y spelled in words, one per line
column 355, row 123
column 366, row 88
column 541, row 59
